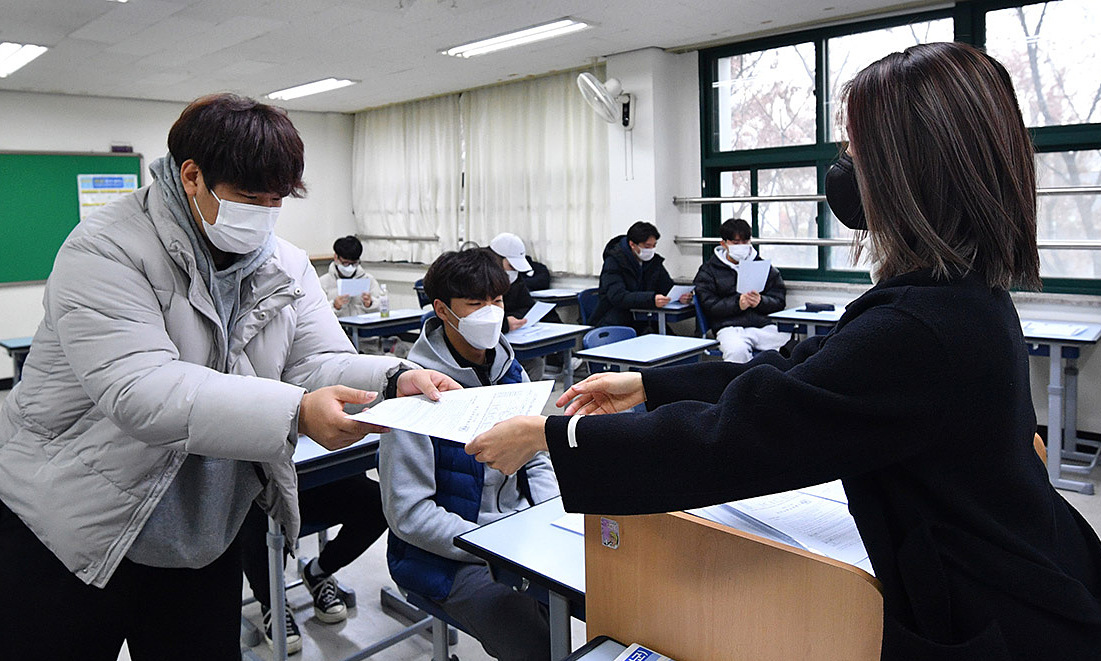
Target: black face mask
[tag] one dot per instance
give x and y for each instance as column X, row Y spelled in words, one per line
column 843, row 195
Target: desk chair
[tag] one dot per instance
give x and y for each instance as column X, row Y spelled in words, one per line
column 440, row 622
column 586, row 303
column 422, row 298
column 605, row 335
column 704, row 327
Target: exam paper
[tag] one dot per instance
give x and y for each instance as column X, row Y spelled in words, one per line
column 353, row 286
column 819, row 525
column 679, row 290
column 752, row 276
column 537, row 312
column 460, row 415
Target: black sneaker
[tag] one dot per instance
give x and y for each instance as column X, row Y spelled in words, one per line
column 294, row 636
column 328, row 605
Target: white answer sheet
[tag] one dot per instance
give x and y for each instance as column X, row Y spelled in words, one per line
column 752, row 276
column 460, row 415
column 679, row 290
column 537, row 312
column 353, row 286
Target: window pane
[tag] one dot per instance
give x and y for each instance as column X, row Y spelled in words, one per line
column 841, row 259
column 1050, row 52
column 1069, row 216
column 733, row 184
column 848, row 55
column 766, row 98
column 788, row 219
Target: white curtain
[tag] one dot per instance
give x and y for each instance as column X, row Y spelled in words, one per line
column 406, row 178
column 537, row 166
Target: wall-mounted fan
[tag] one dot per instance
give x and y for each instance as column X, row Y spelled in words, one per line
column 607, row 99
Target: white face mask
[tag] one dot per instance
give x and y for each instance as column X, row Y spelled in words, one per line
column 740, row 252
column 512, row 275
column 239, row 228
column 646, row 254
column 346, row 270
column 481, row 328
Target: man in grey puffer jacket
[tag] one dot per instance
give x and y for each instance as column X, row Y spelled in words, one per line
column 183, row 349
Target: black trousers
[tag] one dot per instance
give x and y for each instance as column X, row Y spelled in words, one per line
column 355, row 503
column 50, row 614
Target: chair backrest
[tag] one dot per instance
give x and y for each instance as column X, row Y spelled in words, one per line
column 701, row 318
column 606, row 335
column 426, row 316
column 418, row 286
column 586, row 303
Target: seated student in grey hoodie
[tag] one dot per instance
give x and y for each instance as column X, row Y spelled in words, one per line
column 432, row 490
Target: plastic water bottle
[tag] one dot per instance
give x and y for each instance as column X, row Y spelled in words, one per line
column 384, row 303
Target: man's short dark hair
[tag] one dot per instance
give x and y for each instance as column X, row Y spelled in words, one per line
column 241, row 142
column 641, row 232
column 348, row 247
column 735, row 229
column 475, row 273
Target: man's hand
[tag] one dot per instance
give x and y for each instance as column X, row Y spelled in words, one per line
column 686, row 297
column 426, row 382
column 661, row 300
column 514, row 323
column 340, row 301
column 365, row 297
column 321, row 416
column 749, row 300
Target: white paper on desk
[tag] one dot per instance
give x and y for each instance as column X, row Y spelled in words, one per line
column 679, row 290
column 460, row 415
column 572, row 521
column 537, row 312
column 1048, row 328
column 353, row 286
column 818, row 524
column 752, row 275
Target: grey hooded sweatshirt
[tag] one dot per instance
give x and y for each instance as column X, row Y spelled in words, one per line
column 407, row 465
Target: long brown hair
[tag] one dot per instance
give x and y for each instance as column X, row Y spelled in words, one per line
column 945, row 165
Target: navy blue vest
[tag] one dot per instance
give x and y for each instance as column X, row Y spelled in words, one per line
column 459, row 481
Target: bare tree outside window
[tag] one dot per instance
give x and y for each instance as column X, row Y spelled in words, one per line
column 1051, row 53
column 766, row 98
column 789, row 219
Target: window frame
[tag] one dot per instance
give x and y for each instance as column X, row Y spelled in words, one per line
column 969, row 26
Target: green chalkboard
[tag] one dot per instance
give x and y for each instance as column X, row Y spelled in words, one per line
column 39, row 205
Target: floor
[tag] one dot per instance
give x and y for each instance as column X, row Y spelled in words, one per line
column 367, row 623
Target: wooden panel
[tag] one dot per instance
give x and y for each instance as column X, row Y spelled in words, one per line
column 698, row 591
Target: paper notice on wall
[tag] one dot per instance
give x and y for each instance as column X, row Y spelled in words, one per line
column 98, row 190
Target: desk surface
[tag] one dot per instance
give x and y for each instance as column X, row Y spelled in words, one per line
column 800, row 314
column 16, row 343
column 648, row 349
column 376, row 318
column 526, row 336
column 670, row 307
column 1070, row 332
column 309, row 456
column 530, row 545
column 555, row 293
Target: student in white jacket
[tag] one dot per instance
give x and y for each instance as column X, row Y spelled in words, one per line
column 184, row 347
column 345, row 266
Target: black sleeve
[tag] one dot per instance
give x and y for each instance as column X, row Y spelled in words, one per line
column 540, row 277
column 859, row 403
column 614, row 289
column 664, row 282
column 714, row 305
column 518, row 301
column 774, row 297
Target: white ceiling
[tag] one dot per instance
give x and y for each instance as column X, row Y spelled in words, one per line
column 180, row 49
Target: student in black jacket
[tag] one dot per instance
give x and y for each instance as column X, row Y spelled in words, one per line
column 633, row 277
column 919, row 399
column 740, row 321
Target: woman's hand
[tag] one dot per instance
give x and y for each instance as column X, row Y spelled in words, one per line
column 510, row 444
column 321, row 416
column 427, row 382
column 610, row 392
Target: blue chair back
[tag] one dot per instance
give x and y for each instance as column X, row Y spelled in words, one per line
column 605, row 335
column 426, row 316
column 586, row 303
column 418, row 286
column 701, row 318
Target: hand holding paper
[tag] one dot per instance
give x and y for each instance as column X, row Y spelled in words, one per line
column 752, row 276
column 538, row 311
column 681, row 293
column 353, row 286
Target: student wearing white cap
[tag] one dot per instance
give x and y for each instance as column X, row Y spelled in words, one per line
column 510, row 249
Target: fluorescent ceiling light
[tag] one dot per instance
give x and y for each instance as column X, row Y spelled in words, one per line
column 14, row 56
column 316, row 87
column 518, row 38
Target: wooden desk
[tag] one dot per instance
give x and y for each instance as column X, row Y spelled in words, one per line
column 17, row 348
column 699, row 591
column 373, row 324
column 542, row 339
column 1061, row 342
column 674, row 310
column 648, row 351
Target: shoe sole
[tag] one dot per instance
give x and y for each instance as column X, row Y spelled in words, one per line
column 294, row 645
column 330, row 618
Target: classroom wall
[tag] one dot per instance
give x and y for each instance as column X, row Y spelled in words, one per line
column 53, row 122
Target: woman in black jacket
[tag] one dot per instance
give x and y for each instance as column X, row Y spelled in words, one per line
column 919, row 399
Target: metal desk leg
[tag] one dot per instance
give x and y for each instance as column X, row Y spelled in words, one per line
column 1055, row 392
column 1070, row 434
column 275, row 587
column 661, row 324
column 567, row 367
column 355, row 339
column 559, row 626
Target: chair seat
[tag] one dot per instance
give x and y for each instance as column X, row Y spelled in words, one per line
column 432, row 608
